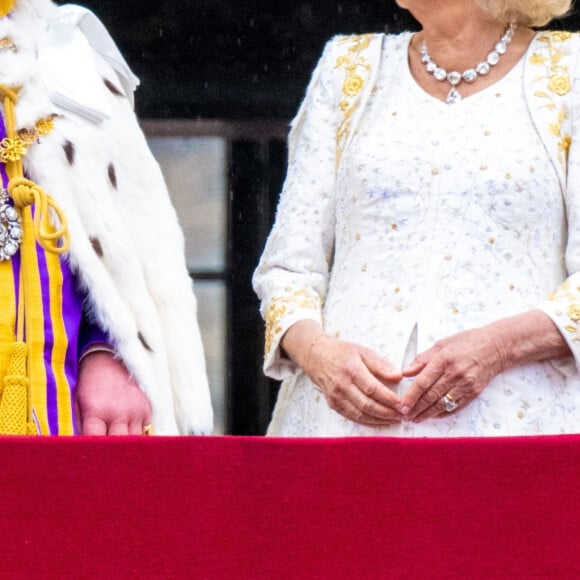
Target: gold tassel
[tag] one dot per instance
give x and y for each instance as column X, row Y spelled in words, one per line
column 14, row 402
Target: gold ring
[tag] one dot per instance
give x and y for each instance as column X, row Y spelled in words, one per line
column 147, row 429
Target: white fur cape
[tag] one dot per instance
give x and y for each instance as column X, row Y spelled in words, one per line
column 126, row 245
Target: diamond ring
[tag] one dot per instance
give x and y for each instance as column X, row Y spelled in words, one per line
column 450, row 404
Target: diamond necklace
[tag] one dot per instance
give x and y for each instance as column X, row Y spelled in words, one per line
column 470, row 75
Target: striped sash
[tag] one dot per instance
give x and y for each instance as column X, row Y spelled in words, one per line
column 34, row 388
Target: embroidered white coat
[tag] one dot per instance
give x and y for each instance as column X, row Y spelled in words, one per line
column 126, row 245
column 324, row 262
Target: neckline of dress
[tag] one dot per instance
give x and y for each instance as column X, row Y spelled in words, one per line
column 518, row 66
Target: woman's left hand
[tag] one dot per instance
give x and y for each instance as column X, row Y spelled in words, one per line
column 455, row 370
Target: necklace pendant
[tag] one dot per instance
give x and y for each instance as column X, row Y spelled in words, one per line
column 453, row 96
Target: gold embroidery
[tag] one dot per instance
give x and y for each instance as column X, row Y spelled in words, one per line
column 537, row 59
column 45, row 126
column 564, row 145
column 353, row 85
column 6, row 43
column 564, row 293
column 280, row 306
column 574, row 311
column 559, row 83
column 12, row 149
column 356, row 66
column 556, row 128
column 561, row 35
column 41, row 128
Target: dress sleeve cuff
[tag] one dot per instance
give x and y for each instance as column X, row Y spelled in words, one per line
column 281, row 314
column 563, row 308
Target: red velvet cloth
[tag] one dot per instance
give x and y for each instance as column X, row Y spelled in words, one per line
column 224, row 507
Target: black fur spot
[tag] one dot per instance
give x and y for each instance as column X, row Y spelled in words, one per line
column 97, row 247
column 112, row 175
column 69, row 151
column 113, row 88
column 144, row 342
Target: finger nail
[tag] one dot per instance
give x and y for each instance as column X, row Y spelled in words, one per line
column 405, row 410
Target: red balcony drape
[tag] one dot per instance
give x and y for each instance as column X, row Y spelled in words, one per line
column 227, row 507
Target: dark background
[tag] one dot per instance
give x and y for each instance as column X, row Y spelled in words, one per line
column 238, row 69
column 230, row 59
column 234, row 59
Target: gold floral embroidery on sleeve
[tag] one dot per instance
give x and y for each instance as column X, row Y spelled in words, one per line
column 356, row 67
column 559, row 83
column 282, row 306
column 570, row 300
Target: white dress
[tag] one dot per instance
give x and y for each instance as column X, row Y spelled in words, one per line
column 441, row 218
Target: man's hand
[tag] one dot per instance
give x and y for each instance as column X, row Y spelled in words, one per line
column 108, row 399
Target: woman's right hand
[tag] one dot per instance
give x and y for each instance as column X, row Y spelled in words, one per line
column 356, row 382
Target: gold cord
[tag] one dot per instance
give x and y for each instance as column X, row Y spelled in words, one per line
column 6, row 7
column 22, row 385
column 25, row 192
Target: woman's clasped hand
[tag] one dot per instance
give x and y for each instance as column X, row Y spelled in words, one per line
column 362, row 386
